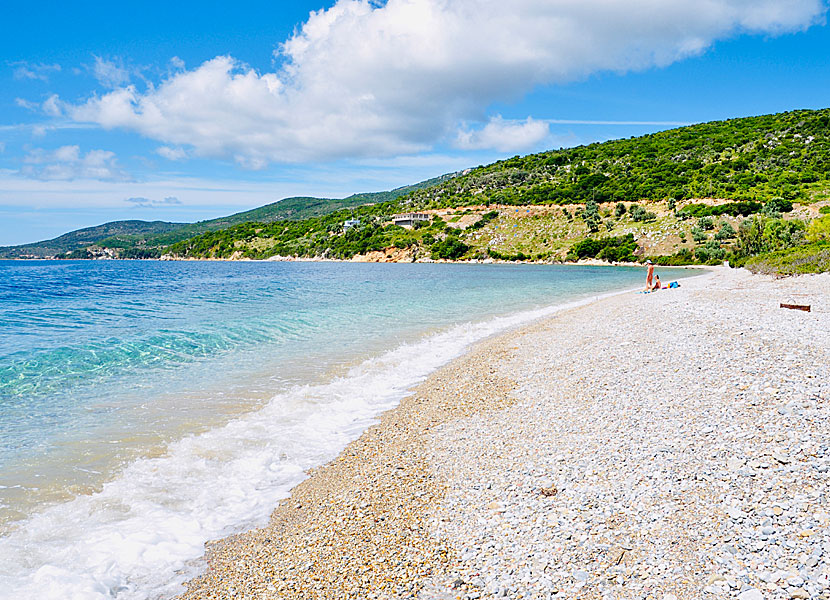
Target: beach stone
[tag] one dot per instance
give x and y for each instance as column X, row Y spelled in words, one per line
column 666, row 483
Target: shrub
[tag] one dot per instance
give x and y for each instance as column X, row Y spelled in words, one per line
column 591, row 216
column 711, row 252
column 485, row 218
column 819, row 229
column 762, row 234
column 451, row 248
column 725, row 232
column 744, row 208
column 780, row 234
column 750, row 236
column 637, row 212
column 705, row 223
column 620, row 210
column 698, row 235
column 778, row 205
column 682, row 257
column 619, row 248
column 813, row 258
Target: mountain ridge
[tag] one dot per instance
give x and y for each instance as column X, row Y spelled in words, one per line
column 139, row 239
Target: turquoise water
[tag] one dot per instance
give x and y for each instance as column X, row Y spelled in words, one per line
column 192, row 396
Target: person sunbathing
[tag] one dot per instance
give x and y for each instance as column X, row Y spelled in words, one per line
column 657, row 284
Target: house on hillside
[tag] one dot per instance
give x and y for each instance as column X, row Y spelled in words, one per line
column 409, row 219
column 351, row 223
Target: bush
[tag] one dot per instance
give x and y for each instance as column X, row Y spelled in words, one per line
column 778, row 205
column 682, row 257
column 780, row 234
column 819, row 230
column 620, row 210
column 705, row 223
column 591, row 216
column 813, row 258
column 612, row 249
column 743, row 208
column 698, row 235
column 518, row 256
column 451, row 248
column 762, row 234
column 637, row 212
column 485, row 218
column 710, row 252
column 726, row 232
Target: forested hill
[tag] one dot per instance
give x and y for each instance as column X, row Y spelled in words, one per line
column 81, row 238
column 729, row 190
column 146, row 238
column 785, row 154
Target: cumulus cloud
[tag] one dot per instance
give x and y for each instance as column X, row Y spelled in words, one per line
column 68, row 162
column 25, row 70
column 141, row 201
column 368, row 79
column 504, row 135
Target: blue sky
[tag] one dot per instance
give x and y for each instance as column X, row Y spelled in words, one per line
column 186, row 111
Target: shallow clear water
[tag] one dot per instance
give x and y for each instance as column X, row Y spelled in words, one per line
column 146, row 407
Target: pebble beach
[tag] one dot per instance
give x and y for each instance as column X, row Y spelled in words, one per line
column 667, row 446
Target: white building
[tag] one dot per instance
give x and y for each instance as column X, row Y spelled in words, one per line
column 409, row 219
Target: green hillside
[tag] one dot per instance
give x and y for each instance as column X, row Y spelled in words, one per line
column 144, row 239
column 89, row 236
column 732, row 189
column 786, row 154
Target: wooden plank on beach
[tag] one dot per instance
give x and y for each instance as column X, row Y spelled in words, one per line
column 804, row 307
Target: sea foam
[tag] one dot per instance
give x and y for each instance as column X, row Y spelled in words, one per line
column 143, row 534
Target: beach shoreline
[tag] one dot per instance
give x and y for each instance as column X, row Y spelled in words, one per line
column 429, row 503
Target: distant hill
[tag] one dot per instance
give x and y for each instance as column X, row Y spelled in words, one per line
column 88, row 236
column 141, row 239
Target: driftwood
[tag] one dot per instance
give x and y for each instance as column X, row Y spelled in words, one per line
column 804, row 307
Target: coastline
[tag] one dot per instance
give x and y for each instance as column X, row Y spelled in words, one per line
column 444, row 497
column 582, row 262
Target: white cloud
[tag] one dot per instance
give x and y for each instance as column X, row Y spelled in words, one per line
column 145, row 202
column 25, row 70
column 364, row 79
column 23, row 103
column 52, row 106
column 110, row 73
column 504, row 135
column 67, row 163
column 171, row 153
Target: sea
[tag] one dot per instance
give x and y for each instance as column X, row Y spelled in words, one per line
column 147, row 407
